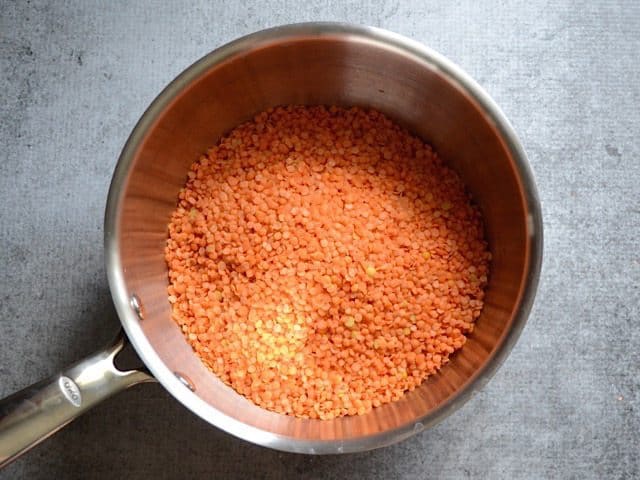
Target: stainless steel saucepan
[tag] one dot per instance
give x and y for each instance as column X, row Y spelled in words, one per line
column 314, row 63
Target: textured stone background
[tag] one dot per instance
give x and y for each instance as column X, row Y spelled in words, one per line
column 74, row 78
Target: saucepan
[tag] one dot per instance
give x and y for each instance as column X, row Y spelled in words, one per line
column 313, row 63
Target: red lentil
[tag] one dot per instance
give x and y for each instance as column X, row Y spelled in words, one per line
column 323, row 261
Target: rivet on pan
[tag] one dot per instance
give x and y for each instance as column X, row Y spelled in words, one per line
column 137, row 306
column 186, row 381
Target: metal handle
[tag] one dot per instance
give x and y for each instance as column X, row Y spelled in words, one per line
column 37, row 412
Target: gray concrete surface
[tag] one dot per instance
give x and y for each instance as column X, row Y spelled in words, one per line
column 74, row 78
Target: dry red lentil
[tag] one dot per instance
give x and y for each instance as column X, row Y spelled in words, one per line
column 323, row 261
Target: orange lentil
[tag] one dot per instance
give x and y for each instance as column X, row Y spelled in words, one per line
column 323, row 261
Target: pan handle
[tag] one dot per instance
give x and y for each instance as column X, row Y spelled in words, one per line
column 37, row 412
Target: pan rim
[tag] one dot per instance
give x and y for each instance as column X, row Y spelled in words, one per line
column 386, row 39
